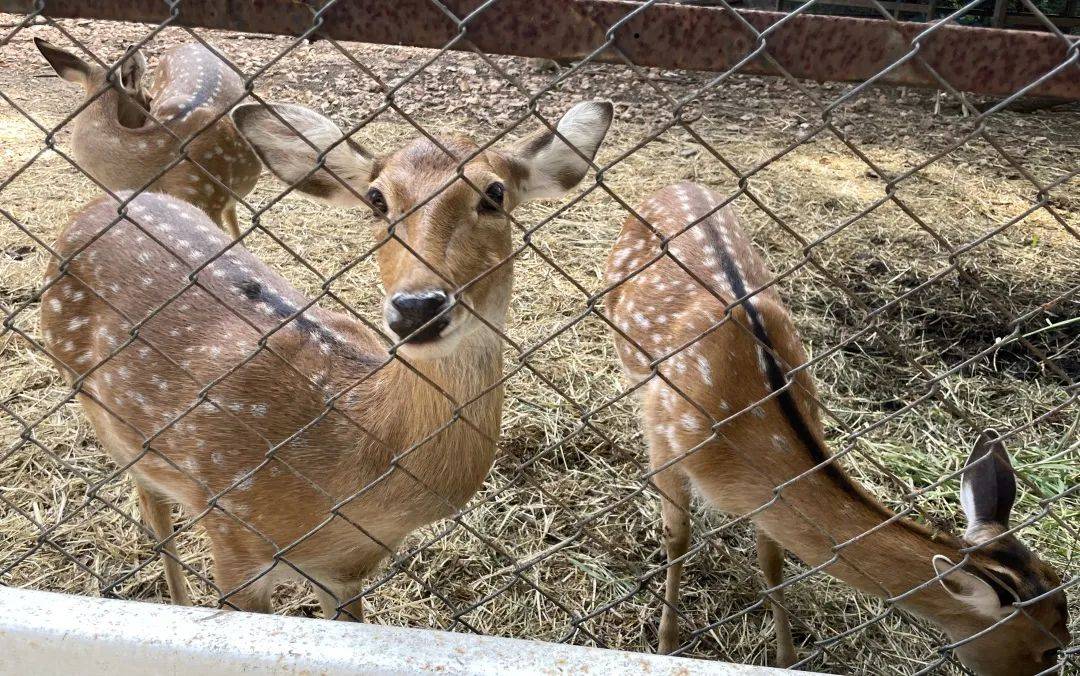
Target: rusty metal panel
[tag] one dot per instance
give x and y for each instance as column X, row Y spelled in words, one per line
column 979, row 60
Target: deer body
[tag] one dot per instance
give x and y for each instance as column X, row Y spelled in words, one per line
column 320, row 450
column 745, row 373
column 210, row 447
column 127, row 135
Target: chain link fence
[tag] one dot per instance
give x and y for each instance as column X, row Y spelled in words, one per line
column 924, row 240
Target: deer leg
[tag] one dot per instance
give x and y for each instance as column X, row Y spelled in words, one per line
column 339, row 592
column 350, row 610
column 243, row 570
column 229, row 221
column 234, row 595
column 771, row 560
column 675, row 503
column 327, row 602
column 157, row 515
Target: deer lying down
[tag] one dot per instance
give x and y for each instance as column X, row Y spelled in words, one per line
column 282, row 480
column 118, row 144
column 719, row 373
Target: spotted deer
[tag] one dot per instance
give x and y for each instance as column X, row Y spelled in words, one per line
column 731, row 413
column 127, row 134
column 322, row 450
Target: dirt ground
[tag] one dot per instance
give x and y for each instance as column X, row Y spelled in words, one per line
column 556, row 496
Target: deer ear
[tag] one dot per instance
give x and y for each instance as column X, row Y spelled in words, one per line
column 546, row 165
column 987, row 486
column 969, row 589
column 132, row 70
column 66, row 64
column 292, row 141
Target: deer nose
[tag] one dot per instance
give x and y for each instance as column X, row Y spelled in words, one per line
column 408, row 312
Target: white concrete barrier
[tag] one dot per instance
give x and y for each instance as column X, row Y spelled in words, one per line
column 43, row 633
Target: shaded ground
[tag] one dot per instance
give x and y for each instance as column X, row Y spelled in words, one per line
column 885, row 270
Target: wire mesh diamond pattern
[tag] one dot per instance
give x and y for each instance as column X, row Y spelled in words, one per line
column 433, row 336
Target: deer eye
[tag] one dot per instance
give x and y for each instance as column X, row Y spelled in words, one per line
column 377, row 201
column 493, row 197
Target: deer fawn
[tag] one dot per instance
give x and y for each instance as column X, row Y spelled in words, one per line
column 322, row 450
column 125, row 136
column 746, row 369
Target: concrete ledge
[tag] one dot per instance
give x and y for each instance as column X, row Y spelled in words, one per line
column 43, row 633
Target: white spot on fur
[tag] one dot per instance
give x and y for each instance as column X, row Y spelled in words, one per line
column 704, row 370
column 690, row 422
column 762, row 359
column 103, row 332
column 244, row 484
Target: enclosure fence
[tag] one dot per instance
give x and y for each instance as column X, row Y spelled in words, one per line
column 936, row 287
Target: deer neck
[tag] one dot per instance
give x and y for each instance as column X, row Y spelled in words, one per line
column 876, row 551
column 437, row 418
column 458, row 381
column 113, row 112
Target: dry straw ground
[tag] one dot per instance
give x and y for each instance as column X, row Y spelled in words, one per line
column 556, row 489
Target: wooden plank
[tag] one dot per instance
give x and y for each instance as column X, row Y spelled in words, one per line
column 810, row 46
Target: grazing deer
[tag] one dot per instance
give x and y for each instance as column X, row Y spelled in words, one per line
column 322, row 450
column 125, row 136
column 747, row 369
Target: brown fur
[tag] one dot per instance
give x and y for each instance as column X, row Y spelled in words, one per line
column 716, row 373
column 192, row 88
column 322, row 449
column 238, row 439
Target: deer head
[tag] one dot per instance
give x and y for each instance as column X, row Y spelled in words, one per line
column 1001, row 577
column 442, row 208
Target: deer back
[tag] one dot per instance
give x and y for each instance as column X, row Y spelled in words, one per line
column 189, row 100
column 174, row 370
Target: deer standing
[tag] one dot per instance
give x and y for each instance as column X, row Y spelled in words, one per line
column 126, row 135
column 746, row 367
column 282, row 479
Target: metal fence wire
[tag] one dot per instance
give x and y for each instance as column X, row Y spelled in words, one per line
column 292, row 378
